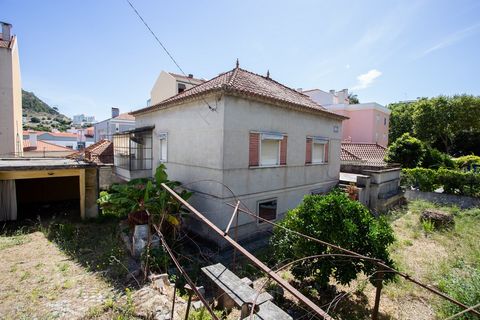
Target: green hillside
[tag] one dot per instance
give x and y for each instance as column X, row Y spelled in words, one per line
column 38, row 115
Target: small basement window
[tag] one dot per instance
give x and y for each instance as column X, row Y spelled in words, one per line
column 270, row 149
column 267, row 210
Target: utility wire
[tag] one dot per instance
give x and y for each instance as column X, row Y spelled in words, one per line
column 165, row 49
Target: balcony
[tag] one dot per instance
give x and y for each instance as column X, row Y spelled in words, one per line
column 132, row 153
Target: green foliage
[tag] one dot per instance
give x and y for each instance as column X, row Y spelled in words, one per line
column 35, row 120
column 353, row 98
column 336, row 219
column 421, row 178
column 401, row 119
column 435, row 159
column 462, row 284
column 467, row 162
column 203, row 314
column 406, row 150
column 452, row 181
column 157, row 259
column 32, row 103
column 428, row 226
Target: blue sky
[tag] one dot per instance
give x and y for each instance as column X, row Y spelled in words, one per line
column 87, row 56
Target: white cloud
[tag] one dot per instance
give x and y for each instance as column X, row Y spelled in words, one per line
column 366, row 79
column 452, row 39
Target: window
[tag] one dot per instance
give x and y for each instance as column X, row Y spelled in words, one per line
column 162, row 147
column 181, row 87
column 317, row 150
column 267, row 210
column 267, row 149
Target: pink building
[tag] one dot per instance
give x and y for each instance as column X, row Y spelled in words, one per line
column 367, row 123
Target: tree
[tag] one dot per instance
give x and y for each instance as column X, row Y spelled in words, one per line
column 401, row 119
column 353, row 98
column 406, row 150
column 438, row 120
column 338, row 220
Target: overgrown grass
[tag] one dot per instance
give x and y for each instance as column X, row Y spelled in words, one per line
column 13, row 238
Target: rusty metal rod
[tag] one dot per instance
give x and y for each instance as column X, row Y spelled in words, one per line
column 252, row 258
column 185, row 275
column 231, row 219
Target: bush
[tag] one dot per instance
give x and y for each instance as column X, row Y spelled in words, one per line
column 434, row 159
column 336, row 219
column 34, row 120
column 466, row 162
column 421, row 178
column 406, row 150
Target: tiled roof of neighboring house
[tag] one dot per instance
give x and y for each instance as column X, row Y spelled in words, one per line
column 186, row 78
column 60, row 134
column 367, row 152
column 43, row 146
column 125, row 116
column 100, row 152
column 247, row 84
column 90, row 131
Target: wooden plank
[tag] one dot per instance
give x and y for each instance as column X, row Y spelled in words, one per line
column 33, row 174
column 81, row 182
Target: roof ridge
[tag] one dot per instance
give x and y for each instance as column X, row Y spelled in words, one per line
column 233, row 76
column 54, row 144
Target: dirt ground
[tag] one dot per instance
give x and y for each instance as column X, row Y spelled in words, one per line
column 38, row 280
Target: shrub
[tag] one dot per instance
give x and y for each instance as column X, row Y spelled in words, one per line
column 421, row 178
column 336, row 219
column 466, row 162
column 406, row 150
column 34, row 120
column 434, row 159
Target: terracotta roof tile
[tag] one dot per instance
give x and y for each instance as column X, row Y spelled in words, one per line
column 125, row 116
column 43, row 146
column 246, row 83
column 366, row 152
column 100, row 152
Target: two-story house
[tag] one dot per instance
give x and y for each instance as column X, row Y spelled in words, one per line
column 367, row 123
column 240, row 136
column 119, row 122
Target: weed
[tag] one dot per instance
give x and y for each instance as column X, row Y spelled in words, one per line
column 408, row 242
column 428, row 226
column 24, row 276
column 202, row 314
column 63, row 267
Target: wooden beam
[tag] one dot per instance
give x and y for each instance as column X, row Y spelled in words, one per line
column 34, row 174
column 81, row 181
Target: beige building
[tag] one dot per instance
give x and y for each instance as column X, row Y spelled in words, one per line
column 11, row 143
column 169, row 84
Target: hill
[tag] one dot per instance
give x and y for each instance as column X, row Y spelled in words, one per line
column 38, row 115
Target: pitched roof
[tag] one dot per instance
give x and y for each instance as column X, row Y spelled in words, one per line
column 248, row 84
column 125, row 116
column 100, row 152
column 371, row 153
column 43, row 146
column 186, row 78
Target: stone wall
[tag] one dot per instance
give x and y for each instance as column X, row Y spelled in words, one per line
column 463, row 202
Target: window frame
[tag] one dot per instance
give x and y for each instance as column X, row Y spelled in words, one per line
column 162, row 136
column 259, row 202
column 319, row 141
column 264, row 136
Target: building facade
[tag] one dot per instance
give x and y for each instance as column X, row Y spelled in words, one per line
column 169, row 84
column 241, row 136
column 119, row 122
column 367, row 123
column 11, row 142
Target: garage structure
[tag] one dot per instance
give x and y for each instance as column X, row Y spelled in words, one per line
column 32, row 181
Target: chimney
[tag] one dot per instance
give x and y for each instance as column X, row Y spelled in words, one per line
column 32, row 137
column 6, row 31
column 115, row 112
column 190, row 75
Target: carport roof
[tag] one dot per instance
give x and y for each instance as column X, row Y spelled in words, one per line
column 10, row 164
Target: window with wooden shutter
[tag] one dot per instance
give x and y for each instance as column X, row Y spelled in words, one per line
column 317, row 150
column 283, row 151
column 308, row 155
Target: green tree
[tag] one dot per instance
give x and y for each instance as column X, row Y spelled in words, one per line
column 406, row 150
column 353, row 98
column 338, row 220
column 401, row 119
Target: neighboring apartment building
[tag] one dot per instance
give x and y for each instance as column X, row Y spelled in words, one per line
column 81, row 119
column 367, row 123
column 119, row 122
column 169, row 84
column 11, row 142
column 34, row 148
column 269, row 144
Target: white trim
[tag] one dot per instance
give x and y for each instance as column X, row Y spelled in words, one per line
column 358, row 106
column 162, row 136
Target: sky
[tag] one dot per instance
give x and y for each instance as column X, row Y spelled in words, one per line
column 88, row 56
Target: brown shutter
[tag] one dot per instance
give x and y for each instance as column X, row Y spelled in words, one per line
column 326, row 151
column 253, row 150
column 283, row 151
column 308, row 154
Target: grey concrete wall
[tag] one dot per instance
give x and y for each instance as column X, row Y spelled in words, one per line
column 463, row 202
column 106, row 177
column 91, row 193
